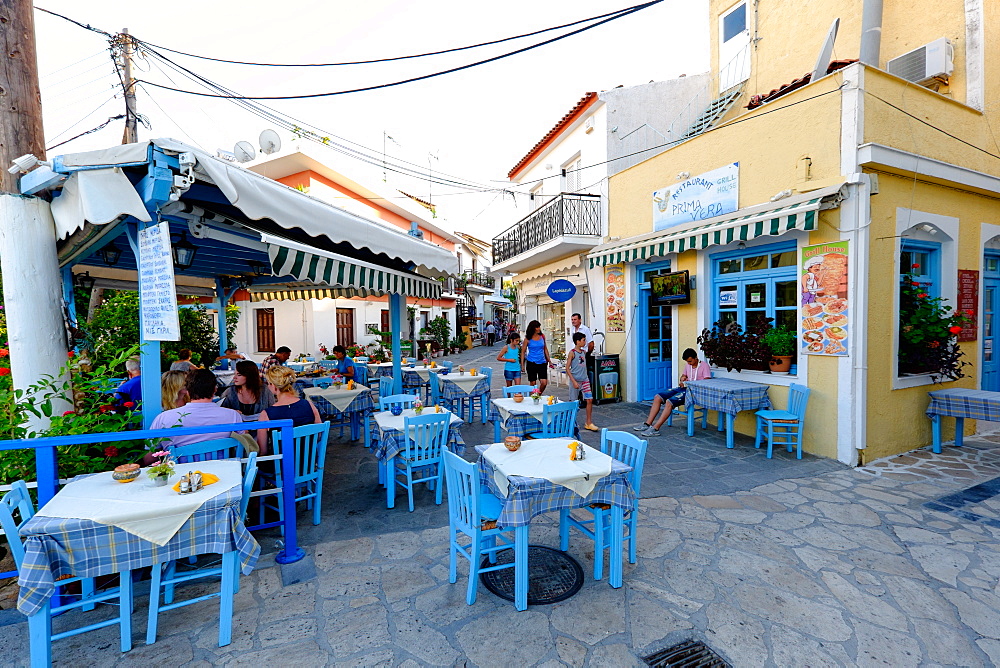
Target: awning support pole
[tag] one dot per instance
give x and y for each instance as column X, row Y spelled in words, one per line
column 223, row 298
column 396, row 305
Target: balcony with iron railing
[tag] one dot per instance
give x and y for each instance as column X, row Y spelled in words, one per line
column 568, row 223
column 478, row 279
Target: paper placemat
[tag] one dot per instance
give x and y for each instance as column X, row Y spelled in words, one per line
column 548, row 458
column 140, row 507
column 341, row 398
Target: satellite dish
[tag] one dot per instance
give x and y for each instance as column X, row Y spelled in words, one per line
column 826, row 52
column 270, row 142
column 245, row 152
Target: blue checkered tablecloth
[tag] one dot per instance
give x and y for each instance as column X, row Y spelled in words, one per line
column 452, row 392
column 528, row 497
column 389, row 442
column 362, row 404
column 959, row 403
column 728, row 396
column 521, row 424
column 56, row 547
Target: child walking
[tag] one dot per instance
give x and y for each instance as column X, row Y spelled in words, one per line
column 576, row 369
column 511, row 356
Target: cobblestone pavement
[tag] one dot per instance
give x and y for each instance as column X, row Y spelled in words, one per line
column 829, row 566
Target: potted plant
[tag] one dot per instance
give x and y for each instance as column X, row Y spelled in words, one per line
column 161, row 471
column 727, row 345
column 781, row 342
column 928, row 333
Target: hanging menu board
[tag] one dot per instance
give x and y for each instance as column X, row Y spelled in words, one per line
column 157, row 293
column 968, row 301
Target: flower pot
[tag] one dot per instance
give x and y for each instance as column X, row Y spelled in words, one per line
column 781, row 363
column 161, row 480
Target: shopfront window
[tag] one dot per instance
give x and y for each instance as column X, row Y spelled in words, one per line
column 752, row 285
column 553, row 319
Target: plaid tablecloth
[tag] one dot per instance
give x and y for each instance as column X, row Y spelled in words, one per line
column 56, row 547
column 959, row 403
column 452, row 391
column 362, row 404
column 520, row 423
column 389, row 442
column 528, row 497
column 728, row 396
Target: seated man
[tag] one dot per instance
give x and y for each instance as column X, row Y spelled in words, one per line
column 231, row 356
column 674, row 397
column 279, row 358
column 200, row 411
column 131, row 389
column 345, row 365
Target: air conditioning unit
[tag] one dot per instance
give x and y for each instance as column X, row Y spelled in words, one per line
column 932, row 61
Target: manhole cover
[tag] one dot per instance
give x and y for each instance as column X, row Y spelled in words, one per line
column 689, row 654
column 553, row 576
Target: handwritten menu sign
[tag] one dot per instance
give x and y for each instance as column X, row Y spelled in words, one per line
column 968, row 301
column 157, row 293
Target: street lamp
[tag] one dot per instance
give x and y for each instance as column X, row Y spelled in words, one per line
column 110, row 254
column 85, row 280
column 256, row 267
column 183, row 252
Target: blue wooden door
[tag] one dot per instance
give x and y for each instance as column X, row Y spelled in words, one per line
column 991, row 306
column 655, row 339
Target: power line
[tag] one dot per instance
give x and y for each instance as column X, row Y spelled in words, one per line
column 423, row 77
column 391, row 59
column 89, row 114
column 85, row 26
column 92, row 130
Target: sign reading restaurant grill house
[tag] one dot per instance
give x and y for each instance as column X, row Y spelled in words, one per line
column 561, row 290
column 707, row 195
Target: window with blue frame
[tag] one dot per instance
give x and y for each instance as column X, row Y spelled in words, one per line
column 922, row 261
column 752, row 284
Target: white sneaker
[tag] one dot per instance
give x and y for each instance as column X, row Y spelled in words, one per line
column 649, row 431
column 642, row 427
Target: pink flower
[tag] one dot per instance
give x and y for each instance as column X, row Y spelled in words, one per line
column 161, row 453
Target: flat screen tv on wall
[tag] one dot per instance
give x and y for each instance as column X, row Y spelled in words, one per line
column 670, row 289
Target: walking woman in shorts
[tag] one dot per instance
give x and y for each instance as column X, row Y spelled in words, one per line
column 535, row 355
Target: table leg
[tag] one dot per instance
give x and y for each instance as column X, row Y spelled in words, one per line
column 521, row 574
column 40, row 637
column 729, row 430
column 690, row 419
column 496, row 431
column 226, row 597
column 936, row 433
column 959, row 431
column 617, row 544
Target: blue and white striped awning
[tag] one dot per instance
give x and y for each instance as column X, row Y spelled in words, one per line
column 323, row 275
column 796, row 213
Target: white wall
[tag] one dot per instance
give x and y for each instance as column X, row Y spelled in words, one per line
column 591, row 146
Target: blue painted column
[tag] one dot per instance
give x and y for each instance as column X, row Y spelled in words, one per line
column 396, row 305
column 149, row 353
column 223, row 299
column 68, row 297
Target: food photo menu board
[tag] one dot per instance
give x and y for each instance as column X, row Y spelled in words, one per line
column 825, row 323
column 614, row 286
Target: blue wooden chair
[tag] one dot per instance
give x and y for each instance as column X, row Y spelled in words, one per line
column 384, row 386
column 402, row 400
column 420, row 461
column 361, row 374
column 17, row 504
column 323, row 383
column 309, row 445
column 470, row 511
column 448, row 365
column 628, row 449
column 167, row 577
column 517, row 389
column 328, row 364
column 361, row 359
column 218, row 448
column 558, row 421
column 436, row 398
column 467, row 406
column 682, row 414
column 784, row 427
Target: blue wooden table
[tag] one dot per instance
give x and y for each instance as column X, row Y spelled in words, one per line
column 726, row 396
column 960, row 404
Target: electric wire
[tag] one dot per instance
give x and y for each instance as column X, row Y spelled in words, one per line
column 79, row 62
column 85, row 26
column 171, row 119
column 88, row 115
column 92, row 130
column 423, row 77
column 391, row 59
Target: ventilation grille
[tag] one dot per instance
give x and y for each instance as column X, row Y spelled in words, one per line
column 688, row 654
column 911, row 66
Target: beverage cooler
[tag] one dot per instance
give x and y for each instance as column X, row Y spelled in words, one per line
column 605, row 379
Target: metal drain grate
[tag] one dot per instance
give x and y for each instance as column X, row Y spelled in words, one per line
column 688, row 654
column 553, row 576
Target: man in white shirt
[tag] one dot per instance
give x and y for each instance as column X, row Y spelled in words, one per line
column 490, row 332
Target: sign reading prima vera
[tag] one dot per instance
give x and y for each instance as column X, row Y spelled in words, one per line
column 707, row 195
column 157, row 293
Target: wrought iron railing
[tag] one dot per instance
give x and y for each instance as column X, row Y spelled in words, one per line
column 564, row 214
column 453, row 286
column 478, row 278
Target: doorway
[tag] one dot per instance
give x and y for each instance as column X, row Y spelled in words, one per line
column 990, row 380
column 345, row 327
column 655, row 338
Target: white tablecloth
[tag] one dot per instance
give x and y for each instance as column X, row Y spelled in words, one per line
column 341, row 398
column 387, row 420
column 467, row 382
column 549, row 458
column 140, row 507
column 507, row 404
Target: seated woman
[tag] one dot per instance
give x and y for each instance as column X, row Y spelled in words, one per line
column 173, row 394
column 674, row 397
column 183, row 362
column 287, row 404
column 345, row 365
column 246, row 394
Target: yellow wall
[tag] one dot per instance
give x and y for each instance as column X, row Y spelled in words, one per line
column 896, row 421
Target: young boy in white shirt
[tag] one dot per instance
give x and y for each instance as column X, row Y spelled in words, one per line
column 576, row 369
column 674, row 397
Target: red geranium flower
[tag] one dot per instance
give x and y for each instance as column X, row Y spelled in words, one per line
column 129, row 404
column 955, row 330
column 4, row 352
column 110, row 451
column 67, row 413
column 71, row 354
column 922, row 294
column 4, row 371
column 914, row 266
column 105, row 408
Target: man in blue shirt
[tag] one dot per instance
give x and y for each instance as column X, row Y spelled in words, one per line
column 345, row 365
column 131, row 389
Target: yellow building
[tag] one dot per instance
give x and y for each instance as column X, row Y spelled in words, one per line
column 872, row 167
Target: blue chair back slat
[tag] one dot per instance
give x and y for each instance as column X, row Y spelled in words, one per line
column 361, row 359
column 425, row 437
column 401, row 400
column 322, row 383
column 448, row 365
column 384, row 386
column 16, row 503
column 488, row 372
column 517, row 389
column 361, row 373
column 462, row 481
column 628, row 449
column 798, row 397
column 328, row 364
column 218, row 448
column 559, row 420
column 249, row 475
column 310, row 450
column 435, row 381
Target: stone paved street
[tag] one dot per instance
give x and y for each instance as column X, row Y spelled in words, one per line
column 770, row 562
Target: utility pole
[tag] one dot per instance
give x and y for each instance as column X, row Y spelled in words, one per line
column 20, row 99
column 131, row 134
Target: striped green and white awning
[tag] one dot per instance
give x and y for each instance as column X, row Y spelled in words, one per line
column 328, row 275
column 799, row 213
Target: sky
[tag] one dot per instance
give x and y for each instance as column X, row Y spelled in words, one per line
column 477, row 123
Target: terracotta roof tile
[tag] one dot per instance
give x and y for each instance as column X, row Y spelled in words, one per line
column 563, row 123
